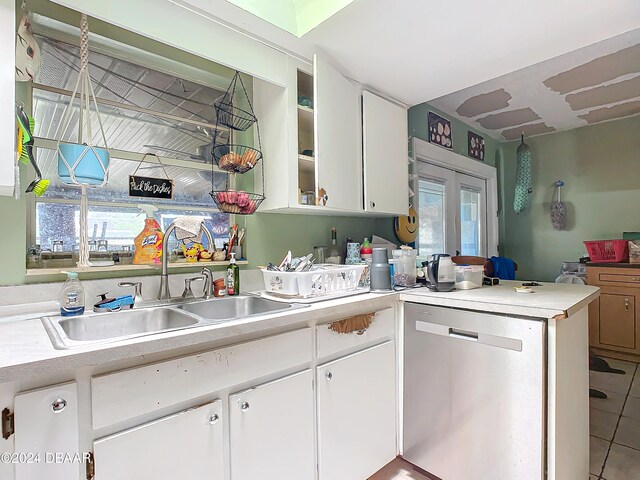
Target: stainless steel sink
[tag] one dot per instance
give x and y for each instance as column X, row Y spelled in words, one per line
column 95, row 328
column 67, row 332
column 232, row 308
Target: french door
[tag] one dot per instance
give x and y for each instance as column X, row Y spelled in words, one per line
column 452, row 212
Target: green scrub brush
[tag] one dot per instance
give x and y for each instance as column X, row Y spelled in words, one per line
column 27, row 123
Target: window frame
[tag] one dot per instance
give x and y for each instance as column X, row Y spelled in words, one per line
column 107, row 46
column 423, row 152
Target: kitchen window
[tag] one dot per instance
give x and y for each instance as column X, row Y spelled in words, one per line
column 150, row 116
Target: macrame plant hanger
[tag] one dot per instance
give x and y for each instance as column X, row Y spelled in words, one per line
column 83, row 163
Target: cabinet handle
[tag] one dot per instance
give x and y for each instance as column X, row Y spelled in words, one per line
column 213, row 419
column 626, row 303
column 58, row 405
column 372, row 204
column 244, row 406
column 328, row 376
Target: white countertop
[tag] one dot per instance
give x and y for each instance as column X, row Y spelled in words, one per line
column 547, row 301
column 26, row 349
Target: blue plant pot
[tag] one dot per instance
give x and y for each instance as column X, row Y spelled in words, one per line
column 91, row 168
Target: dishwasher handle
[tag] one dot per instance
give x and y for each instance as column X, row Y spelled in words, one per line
column 463, row 334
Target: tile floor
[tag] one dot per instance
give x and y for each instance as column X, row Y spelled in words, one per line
column 615, row 429
column 615, row 424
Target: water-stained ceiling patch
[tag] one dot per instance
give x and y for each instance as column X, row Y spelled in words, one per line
column 597, row 71
column 497, row 121
column 531, row 129
column 487, row 102
column 605, row 95
column 609, row 113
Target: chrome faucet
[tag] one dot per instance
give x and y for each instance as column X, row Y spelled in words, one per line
column 165, row 293
column 208, row 283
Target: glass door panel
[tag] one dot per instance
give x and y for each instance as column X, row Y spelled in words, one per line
column 431, row 218
column 469, row 223
column 471, row 216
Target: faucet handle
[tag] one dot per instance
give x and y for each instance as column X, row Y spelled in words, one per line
column 188, row 293
column 137, row 298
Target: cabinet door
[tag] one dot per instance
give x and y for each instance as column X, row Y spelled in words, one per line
column 46, row 424
column 617, row 323
column 7, row 87
column 271, row 429
column 357, row 414
column 337, row 137
column 385, row 155
column 188, row 444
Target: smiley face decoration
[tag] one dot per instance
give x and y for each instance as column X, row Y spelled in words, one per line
column 407, row 227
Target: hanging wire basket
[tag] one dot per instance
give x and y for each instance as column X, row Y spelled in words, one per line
column 235, row 158
column 239, row 203
column 231, row 115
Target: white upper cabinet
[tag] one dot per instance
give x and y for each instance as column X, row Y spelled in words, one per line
column 385, row 155
column 7, row 99
column 320, row 148
column 337, row 136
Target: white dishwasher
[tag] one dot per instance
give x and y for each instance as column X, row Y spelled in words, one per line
column 474, row 394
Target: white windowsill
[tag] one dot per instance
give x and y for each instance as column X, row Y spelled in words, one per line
column 126, row 268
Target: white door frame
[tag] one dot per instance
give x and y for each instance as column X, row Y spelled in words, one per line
column 423, row 151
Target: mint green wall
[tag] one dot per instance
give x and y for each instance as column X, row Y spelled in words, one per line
column 418, row 128
column 600, row 165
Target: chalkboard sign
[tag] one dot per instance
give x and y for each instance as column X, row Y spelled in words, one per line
column 148, row 187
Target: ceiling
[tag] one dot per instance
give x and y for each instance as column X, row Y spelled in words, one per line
column 417, row 50
column 596, row 83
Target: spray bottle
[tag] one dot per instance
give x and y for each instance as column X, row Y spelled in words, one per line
column 148, row 243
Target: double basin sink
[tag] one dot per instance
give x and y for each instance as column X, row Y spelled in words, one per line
column 93, row 328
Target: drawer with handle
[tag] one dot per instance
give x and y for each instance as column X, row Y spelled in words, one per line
column 381, row 329
column 609, row 278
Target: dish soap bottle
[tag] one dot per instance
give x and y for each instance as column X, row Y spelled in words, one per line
column 233, row 276
column 71, row 296
column 149, row 241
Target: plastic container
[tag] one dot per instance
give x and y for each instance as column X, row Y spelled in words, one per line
column 468, row 276
column 608, row 251
column 326, row 279
column 89, row 164
column 71, row 296
column 404, row 267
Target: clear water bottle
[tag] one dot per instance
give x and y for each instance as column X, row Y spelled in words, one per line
column 71, row 296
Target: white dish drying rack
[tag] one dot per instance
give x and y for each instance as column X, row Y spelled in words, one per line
column 323, row 280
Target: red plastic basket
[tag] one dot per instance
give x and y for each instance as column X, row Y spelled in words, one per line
column 608, row 251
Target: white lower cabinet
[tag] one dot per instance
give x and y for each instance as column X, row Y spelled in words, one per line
column 357, row 414
column 186, row 445
column 46, row 434
column 271, row 430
